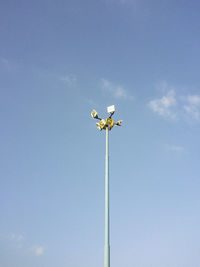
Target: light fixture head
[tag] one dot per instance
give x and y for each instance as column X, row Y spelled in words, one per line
column 109, row 122
column 111, row 109
column 98, row 126
column 102, row 124
column 118, row 123
column 94, row 114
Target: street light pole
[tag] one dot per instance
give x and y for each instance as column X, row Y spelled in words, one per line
column 106, row 125
column 107, row 215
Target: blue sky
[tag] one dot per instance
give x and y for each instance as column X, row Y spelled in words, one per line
column 58, row 61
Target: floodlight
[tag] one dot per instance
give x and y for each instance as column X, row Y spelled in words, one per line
column 94, row 114
column 111, row 109
column 109, row 122
column 118, row 123
column 102, row 123
column 98, row 126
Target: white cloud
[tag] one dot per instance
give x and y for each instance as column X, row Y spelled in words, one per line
column 15, row 240
column 186, row 107
column 69, row 80
column 116, row 90
column 192, row 111
column 18, row 241
column 192, row 107
column 38, row 250
column 193, row 99
column 164, row 105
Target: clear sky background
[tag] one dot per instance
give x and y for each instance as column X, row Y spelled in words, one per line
column 59, row 60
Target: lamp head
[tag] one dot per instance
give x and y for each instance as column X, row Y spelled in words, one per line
column 111, row 109
column 101, row 125
column 118, row 123
column 94, row 114
column 98, row 126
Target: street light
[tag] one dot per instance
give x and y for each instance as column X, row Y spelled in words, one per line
column 106, row 124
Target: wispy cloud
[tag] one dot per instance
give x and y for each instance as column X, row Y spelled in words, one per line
column 175, row 106
column 193, row 99
column 69, row 79
column 38, row 251
column 115, row 90
column 164, row 106
column 192, row 106
column 17, row 241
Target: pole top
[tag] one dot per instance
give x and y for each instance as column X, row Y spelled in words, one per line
column 106, row 123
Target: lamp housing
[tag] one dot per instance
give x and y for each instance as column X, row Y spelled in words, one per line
column 111, row 109
column 94, row 114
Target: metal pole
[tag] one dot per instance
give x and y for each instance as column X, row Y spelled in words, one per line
column 107, row 219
